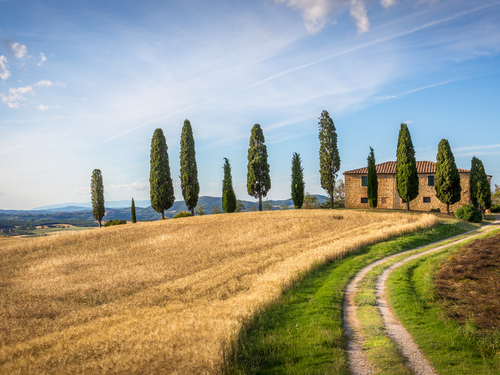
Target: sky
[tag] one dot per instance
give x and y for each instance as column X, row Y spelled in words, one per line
column 84, row 84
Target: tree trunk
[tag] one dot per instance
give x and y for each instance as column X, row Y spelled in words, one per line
column 331, row 201
column 192, row 211
column 260, row 202
column 448, row 208
column 163, row 214
column 100, row 223
column 408, row 205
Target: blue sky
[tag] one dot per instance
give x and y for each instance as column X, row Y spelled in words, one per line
column 83, row 85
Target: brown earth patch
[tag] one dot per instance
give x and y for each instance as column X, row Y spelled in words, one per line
column 468, row 283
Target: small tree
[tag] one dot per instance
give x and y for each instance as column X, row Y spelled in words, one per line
column 228, row 196
column 160, row 183
column 448, row 189
column 240, row 206
column 97, row 192
column 495, row 195
column 200, row 210
column 298, row 183
column 479, row 186
column 310, row 202
column 189, row 171
column 339, row 194
column 406, row 167
column 372, row 186
column 132, row 211
column 258, row 178
column 329, row 159
column 268, row 206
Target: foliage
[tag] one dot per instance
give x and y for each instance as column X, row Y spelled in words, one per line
column 200, row 210
column 228, row 196
column 406, row 167
column 339, row 194
column 480, row 193
column 216, row 210
column 283, row 206
column 372, row 187
column 182, row 214
column 495, row 195
column 114, row 222
column 97, row 191
column 447, row 184
column 160, row 182
column 329, row 158
column 258, row 178
column 132, row 212
column 310, row 202
column 240, row 206
column 189, row 171
column 469, row 213
column 495, row 208
column 298, row 184
column 268, row 206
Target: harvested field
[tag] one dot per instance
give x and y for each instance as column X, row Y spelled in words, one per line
column 162, row 297
column 468, row 284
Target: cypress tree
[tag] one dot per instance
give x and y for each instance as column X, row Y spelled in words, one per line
column 329, row 159
column 298, row 184
column 406, row 167
column 258, row 178
column 228, row 196
column 372, row 186
column 132, row 212
column 448, row 189
column 189, row 171
column 97, row 193
column 479, row 186
column 160, row 181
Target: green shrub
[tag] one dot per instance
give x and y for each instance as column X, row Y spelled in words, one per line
column 469, row 213
column 182, row 214
column 495, row 208
column 114, row 222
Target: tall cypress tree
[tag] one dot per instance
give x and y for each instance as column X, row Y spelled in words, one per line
column 160, row 182
column 329, row 159
column 372, row 186
column 189, row 170
column 258, row 178
column 132, row 212
column 480, row 192
column 298, row 184
column 97, row 196
column 406, row 167
column 448, row 189
column 228, row 196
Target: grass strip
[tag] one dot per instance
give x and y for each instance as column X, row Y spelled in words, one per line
column 452, row 348
column 302, row 332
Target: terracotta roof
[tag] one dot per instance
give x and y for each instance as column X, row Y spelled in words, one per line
column 389, row 167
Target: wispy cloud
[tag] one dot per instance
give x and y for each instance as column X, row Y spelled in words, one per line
column 315, row 13
column 4, row 72
column 42, row 59
column 358, row 12
column 14, row 48
column 16, row 95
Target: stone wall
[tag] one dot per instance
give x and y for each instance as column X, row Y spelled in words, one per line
column 388, row 196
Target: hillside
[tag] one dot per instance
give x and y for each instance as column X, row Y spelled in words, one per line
column 162, row 296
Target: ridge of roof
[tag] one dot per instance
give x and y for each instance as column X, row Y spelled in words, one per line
column 389, row 167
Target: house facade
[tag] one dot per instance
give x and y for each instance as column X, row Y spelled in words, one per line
column 356, row 190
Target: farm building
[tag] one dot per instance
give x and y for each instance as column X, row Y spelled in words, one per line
column 388, row 197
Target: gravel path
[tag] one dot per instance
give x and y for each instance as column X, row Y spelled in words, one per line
column 358, row 363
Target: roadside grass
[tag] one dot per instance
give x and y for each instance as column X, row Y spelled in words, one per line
column 452, row 348
column 302, row 332
column 50, row 231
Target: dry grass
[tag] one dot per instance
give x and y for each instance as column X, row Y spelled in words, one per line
column 162, row 297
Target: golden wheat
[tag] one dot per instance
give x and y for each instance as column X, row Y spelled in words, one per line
column 162, row 297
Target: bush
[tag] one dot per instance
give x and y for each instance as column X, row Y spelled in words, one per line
column 469, row 213
column 495, row 208
column 114, row 222
column 182, row 214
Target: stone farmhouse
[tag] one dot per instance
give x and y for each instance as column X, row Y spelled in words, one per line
column 356, row 188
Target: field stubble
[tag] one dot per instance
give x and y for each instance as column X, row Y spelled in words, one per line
column 163, row 297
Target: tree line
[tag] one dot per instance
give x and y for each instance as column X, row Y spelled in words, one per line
column 258, row 172
column 447, row 181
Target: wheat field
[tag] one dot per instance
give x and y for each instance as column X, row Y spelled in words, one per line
column 163, row 297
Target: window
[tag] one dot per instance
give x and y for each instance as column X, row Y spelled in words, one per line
column 364, row 200
column 364, row 180
column 430, row 180
column 427, row 199
column 383, row 200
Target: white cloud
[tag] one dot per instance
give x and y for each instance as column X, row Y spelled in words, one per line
column 16, row 95
column 14, row 48
column 44, row 83
column 358, row 12
column 42, row 59
column 42, row 107
column 13, row 105
column 315, row 13
column 4, row 73
column 387, row 3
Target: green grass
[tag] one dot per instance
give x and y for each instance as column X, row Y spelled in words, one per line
column 41, row 232
column 450, row 347
column 302, row 332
